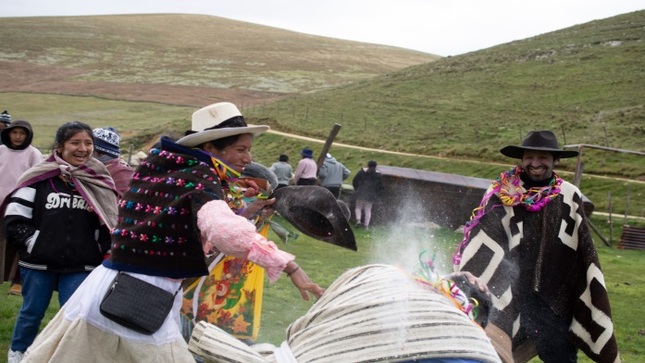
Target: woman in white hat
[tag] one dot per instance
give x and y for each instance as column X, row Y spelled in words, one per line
column 174, row 214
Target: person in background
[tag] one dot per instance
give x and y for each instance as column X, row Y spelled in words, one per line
column 331, row 175
column 368, row 187
column 174, row 215
column 374, row 313
column 5, row 120
column 16, row 156
column 107, row 149
column 529, row 242
column 59, row 217
column 307, row 169
column 282, row 170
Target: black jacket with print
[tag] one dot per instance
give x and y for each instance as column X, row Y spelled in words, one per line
column 55, row 228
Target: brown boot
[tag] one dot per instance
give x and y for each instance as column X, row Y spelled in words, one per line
column 15, row 289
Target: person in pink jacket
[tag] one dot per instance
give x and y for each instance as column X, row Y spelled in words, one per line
column 16, row 156
column 307, row 169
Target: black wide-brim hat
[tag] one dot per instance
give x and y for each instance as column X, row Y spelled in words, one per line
column 314, row 211
column 543, row 140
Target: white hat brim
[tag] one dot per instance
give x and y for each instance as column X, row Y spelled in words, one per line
column 199, row 138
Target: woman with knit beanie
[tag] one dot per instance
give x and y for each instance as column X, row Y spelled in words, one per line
column 173, row 215
column 108, row 151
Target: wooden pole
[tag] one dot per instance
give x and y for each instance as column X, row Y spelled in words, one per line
column 626, row 205
column 564, row 134
column 130, row 154
column 598, row 232
column 578, row 176
column 611, row 222
column 327, row 146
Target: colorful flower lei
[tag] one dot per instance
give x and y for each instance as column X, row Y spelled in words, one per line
column 510, row 191
column 231, row 184
column 229, row 177
column 427, row 275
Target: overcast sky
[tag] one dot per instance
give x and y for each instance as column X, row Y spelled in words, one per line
column 442, row 27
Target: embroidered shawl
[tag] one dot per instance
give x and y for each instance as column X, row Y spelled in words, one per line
column 567, row 274
column 92, row 180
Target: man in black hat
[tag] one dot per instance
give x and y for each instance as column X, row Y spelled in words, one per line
column 529, row 242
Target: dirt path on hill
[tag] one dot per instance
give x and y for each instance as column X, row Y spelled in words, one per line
column 319, row 141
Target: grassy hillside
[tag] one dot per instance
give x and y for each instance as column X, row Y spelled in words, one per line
column 585, row 82
column 160, row 57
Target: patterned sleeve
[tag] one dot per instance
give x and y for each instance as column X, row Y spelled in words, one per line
column 234, row 235
column 18, row 217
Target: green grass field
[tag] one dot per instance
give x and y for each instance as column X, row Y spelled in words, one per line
column 623, row 269
column 451, row 115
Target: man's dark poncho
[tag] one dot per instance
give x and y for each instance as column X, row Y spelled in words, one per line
column 567, row 274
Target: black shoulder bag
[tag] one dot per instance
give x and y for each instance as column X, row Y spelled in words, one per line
column 136, row 304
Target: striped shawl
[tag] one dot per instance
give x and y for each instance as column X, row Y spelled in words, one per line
column 92, row 180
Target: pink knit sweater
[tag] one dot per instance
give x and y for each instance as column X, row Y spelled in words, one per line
column 223, row 230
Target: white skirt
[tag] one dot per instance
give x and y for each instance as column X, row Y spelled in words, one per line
column 79, row 332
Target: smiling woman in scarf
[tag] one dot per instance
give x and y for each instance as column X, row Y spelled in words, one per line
column 58, row 218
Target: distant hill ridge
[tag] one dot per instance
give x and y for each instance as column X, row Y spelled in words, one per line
column 586, row 83
column 148, row 57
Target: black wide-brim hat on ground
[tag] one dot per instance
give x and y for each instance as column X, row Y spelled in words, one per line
column 314, row 211
column 543, row 140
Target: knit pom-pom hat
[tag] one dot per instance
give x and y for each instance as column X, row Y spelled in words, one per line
column 107, row 141
column 5, row 117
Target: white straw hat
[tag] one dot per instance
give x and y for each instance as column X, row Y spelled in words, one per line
column 217, row 121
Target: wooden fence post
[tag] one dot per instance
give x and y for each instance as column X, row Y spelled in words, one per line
column 579, row 167
column 327, row 146
column 611, row 222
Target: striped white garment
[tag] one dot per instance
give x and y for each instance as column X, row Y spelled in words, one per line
column 374, row 313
